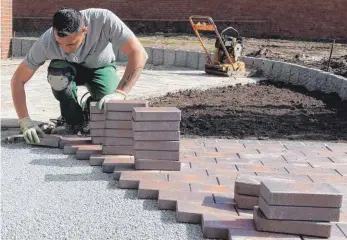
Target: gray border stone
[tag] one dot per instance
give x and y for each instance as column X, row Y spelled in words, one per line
column 276, row 71
column 247, row 60
column 193, row 60
column 257, row 63
column 202, row 60
column 267, row 68
column 314, row 75
column 158, row 56
column 181, row 58
column 343, row 90
column 320, row 79
column 304, row 76
column 335, row 82
column 294, row 74
column 212, row 56
column 169, row 57
column 285, row 73
column 17, row 47
column 26, row 46
column 121, row 56
column 149, row 51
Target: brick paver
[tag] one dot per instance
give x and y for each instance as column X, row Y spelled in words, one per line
column 308, row 228
column 300, row 194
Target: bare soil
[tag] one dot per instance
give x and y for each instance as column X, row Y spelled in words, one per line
column 310, row 54
column 260, row 111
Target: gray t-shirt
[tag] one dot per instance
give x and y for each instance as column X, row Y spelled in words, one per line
column 106, row 34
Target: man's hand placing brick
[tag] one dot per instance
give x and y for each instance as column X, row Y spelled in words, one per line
column 118, row 95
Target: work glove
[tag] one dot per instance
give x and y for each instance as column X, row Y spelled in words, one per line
column 118, row 95
column 30, row 130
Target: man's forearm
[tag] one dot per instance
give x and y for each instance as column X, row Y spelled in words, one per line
column 133, row 71
column 20, row 77
column 18, row 96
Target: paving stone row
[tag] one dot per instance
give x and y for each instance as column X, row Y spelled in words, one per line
column 210, row 187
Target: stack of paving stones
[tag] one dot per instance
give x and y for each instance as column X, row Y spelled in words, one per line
column 97, row 124
column 247, row 189
column 118, row 138
column 303, row 209
column 156, row 132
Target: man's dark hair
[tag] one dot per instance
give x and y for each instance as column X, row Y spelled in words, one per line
column 67, row 21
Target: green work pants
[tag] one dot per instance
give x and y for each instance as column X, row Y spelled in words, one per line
column 99, row 82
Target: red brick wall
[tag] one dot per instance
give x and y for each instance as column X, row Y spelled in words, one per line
column 288, row 18
column 6, row 27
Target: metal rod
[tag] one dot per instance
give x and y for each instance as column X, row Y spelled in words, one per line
column 331, row 53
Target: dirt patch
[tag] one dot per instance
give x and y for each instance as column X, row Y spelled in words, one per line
column 310, row 54
column 263, row 111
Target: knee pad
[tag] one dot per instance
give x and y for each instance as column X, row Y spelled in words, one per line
column 60, row 74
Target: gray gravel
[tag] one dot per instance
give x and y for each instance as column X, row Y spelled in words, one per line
column 48, row 195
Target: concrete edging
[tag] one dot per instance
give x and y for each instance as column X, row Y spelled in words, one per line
column 311, row 79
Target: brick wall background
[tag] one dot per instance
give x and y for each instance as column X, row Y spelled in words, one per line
column 6, row 27
column 317, row 19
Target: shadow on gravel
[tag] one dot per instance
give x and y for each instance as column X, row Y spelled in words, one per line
column 150, row 205
column 95, row 175
column 130, row 194
column 64, row 161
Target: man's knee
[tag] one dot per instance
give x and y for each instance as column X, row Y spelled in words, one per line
column 60, row 74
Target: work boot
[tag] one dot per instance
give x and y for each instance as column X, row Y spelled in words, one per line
column 84, row 129
column 65, row 129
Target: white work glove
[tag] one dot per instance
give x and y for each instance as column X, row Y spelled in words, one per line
column 118, row 95
column 31, row 131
